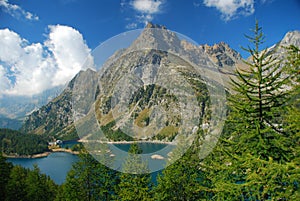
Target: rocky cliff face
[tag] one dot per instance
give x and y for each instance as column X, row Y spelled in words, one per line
column 154, row 89
column 222, row 54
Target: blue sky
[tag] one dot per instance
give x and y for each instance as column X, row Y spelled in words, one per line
column 44, row 42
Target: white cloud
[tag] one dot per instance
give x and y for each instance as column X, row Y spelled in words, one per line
column 5, row 82
column 146, row 9
column 147, row 6
column 28, row 69
column 232, row 8
column 69, row 50
column 16, row 11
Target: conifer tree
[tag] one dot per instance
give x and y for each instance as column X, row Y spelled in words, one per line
column 255, row 159
column 135, row 185
column 39, row 186
column 293, row 70
column 89, row 180
column 5, row 169
column 16, row 187
column 29, row 185
column 181, row 180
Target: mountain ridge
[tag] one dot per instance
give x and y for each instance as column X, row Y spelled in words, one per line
column 224, row 60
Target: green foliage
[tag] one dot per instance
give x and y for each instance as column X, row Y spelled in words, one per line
column 5, row 169
column 293, row 111
column 16, row 187
column 15, row 143
column 181, row 180
column 39, row 186
column 88, row 180
column 134, row 185
column 50, row 119
column 293, row 64
column 259, row 90
column 256, row 158
column 29, row 185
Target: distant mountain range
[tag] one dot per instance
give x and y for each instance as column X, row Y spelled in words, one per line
column 152, row 75
column 13, row 109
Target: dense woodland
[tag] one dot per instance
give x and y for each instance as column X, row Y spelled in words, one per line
column 256, row 158
column 14, row 143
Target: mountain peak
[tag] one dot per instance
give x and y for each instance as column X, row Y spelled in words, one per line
column 222, row 54
column 291, row 38
column 156, row 37
column 157, row 26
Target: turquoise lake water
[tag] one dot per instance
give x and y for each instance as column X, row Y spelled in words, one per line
column 58, row 164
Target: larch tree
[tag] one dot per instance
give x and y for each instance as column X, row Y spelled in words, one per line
column 89, row 180
column 134, row 183
column 254, row 159
column 182, row 180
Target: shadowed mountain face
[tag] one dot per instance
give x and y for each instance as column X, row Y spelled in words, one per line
column 156, row 88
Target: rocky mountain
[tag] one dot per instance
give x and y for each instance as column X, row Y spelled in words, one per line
column 290, row 38
column 142, row 91
column 156, row 88
column 222, row 54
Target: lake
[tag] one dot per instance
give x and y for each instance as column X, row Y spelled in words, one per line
column 58, row 164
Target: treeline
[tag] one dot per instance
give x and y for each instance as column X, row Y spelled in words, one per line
column 18, row 183
column 15, row 143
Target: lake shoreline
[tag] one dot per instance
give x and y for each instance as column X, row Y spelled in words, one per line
column 41, row 155
column 47, row 153
column 127, row 142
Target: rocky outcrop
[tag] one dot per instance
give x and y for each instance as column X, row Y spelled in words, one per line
column 222, row 54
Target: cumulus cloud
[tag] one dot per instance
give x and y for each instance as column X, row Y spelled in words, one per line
column 69, row 51
column 5, row 82
column 232, row 8
column 30, row 68
column 16, row 11
column 147, row 6
column 145, row 9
